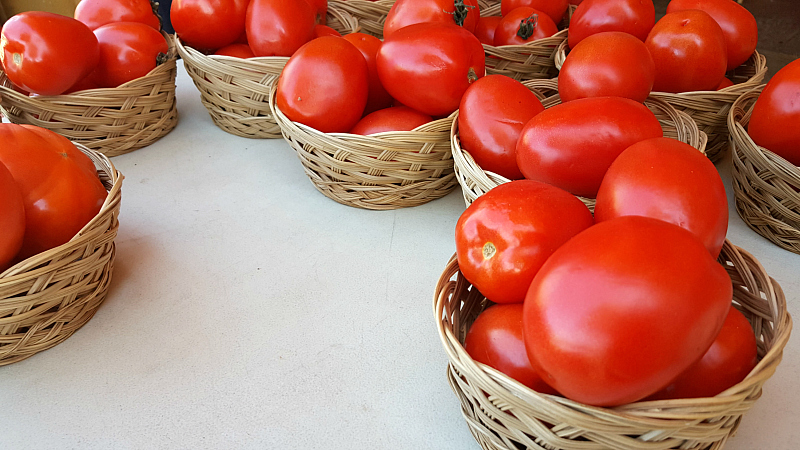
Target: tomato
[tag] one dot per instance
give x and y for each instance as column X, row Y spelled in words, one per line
column 491, row 115
column 96, row 13
column 623, row 308
column 688, row 49
column 505, row 235
column 60, row 197
column 726, row 363
column 398, row 118
column 88, row 82
column 330, row 103
column 321, row 7
column 554, row 9
column 324, row 30
column 128, row 50
column 236, row 50
column 523, row 25
column 12, row 218
column 368, row 46
column 47, row 53
column 726, row 82
column 485, row 28
column 634, row 17
column 668, row 180
column 496, row 339
column 571, row 145
column 737, row 23
column 445, row 12
column 278, row 27
column 773, row 124
column 65, row 148
column 428, row 66
column 610, row 63
column 208, row 24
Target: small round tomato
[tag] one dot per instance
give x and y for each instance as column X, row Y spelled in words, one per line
column 208, row 24
column 485, row 28
column 491, row 115
column 397, row 118
column 445, row 12
column 278, row 27
column 554, row 9
column 128, row 50
column 523, row 25
column 96, row 13
column 12, row 218
column 726, row 82
column 634, row 17
column 368, row 46
column 776, row 114
column 324, row 30
column 505, row 235
column 621, row 309
column 496, row 339
column 610, row 63
column 236, row 50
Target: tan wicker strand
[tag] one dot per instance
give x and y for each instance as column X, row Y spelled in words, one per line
column 531, row 61
column 370, row 15
column 475, row 181
column 235, row 91
column 503, row 414
column 766, row 186
column 112, row 121
column 46, row 298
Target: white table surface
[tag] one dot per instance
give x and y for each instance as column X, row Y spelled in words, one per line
column 247, row 310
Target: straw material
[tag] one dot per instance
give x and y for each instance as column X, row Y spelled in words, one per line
column 235, row 91
column 503, row 414
column 475, row 181
column 112, row 121
column 370, row 15
column 709, row 109
column 47, row 297
column 765, row 185
column 383, row 171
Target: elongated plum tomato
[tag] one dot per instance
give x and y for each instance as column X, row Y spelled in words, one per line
column 491, row 115
column 397, row 118
column 776, row 114
column 523, row 25
column 554, row 9
column 496, row 339
column 12, row 218
column 635, row 17
column 368, row 45
column 621, row 309
column 278, row 27
column 505, row 235
column 445, row 12
column 208, row 24
column 669, row 180
column 571, row 145
column 96, row 13
column 128, row 50
column 331, row 103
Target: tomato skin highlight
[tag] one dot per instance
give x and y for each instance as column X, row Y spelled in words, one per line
column 208, row 24
column 237, row 50
column 773, row 123
column 507, row 30
column 485, row 29
column 368, row 45
column 635, row 17
column 128, row 50
column 96, row 13
column 554, row 9
column 409, row 12
column 278, row 27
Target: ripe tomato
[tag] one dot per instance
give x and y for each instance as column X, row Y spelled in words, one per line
column 491, row 115
column 726, row 82
column 485, row 28
column 727, row 362
column 12, row 218
column 737, row 23
column 554, row 9
column 324, row 30
column 128, row 50
column 428, row 66
column 668, row 180
column 65, row 148
column 634, row 17
column 330, row 103
column 621, row 309
column 397, row 118
column 208, row 24
column 688, row 49
column 571, row 145
column 96, row 13
column 523, row 25
column 47, row 53
column 610, row 63
column 773, row 124
column 236, row 50
column 505, row 235
column 368, row 46
column 446, row 12
column 321, row 7
column 278, row 27
column 496, row 339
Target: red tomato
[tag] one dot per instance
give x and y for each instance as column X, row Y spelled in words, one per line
column 47, row 53
column 523, row 25
column 96, row 13
column 128, row 50
column 236, row 50
column 491, row 115
column 621, row 309
column 428, row 66
column 88, row 82
column 554, row 9
column 485, row 28
column 737, row 23
column 278, row 27
column 208, row 24
column 634, row 17
column 726, row 363
column 330, row 103
column 408, row 12
column 368, row 46
column 398, row 118
column 66, row 148
column 571, row 145
column 688, row 48
column 324, row 30
column 12, row 218
column 776, row 114
column 610, row 63
column 726, row 82
column 321, row 7
column 668, row 180
column 505, row 235
column 496, row 339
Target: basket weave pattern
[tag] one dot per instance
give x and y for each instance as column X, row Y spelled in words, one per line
column 765, row 185
column 503, row 414
column 370, row 15
column 46, row 298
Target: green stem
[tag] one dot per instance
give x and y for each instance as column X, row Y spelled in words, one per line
column 460, row 12
column 527, row 26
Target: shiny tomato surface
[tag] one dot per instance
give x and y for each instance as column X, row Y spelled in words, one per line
column 96, row 13
column 635, row 17
column 278, row 27
column 445, row 12
column 776, row 114
column 523, row 25
column 236, row 50
column 396, row 118
column 128, row 50
column 554, row 9
column 368, row 46
column 12, row 218
column 485, row 28
column 208, row 24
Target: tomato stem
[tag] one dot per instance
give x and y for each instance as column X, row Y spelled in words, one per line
column 161, row 58
column 460, row 12
column 527, row 25
column 154, row 5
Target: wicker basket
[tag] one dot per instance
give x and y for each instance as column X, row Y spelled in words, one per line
column 370, row 15
column 384, row 171
column 504, row 414
column 475, row 181
column 112, row 121
column 47, row 297
column 235, row 91
column 765, row 186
